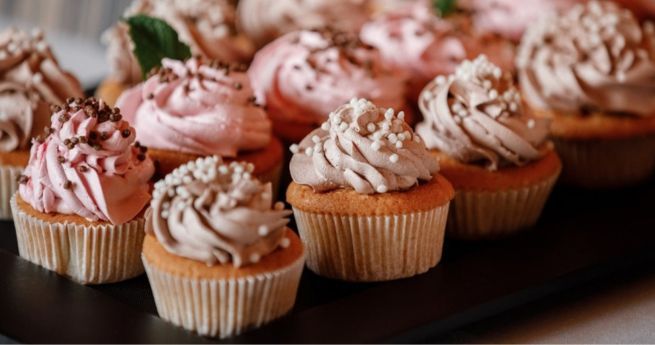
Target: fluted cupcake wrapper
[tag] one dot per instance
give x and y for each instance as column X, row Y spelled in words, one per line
column 8, row 186
column 87, row 254
column 489, row 214
column 372, row 248
column 607, row 163
column 224, row 307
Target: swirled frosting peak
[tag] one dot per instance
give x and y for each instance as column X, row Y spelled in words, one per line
column 304, row 75
column 265, row 20
column 596, row 56
column 364, row 147
column 200, row 106
column 207, row 26
column 414, row 39
column 475, row 115
column 88, row 165
column 215, row 212
column 30, row 79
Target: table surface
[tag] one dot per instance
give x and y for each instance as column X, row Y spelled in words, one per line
column 463, row 299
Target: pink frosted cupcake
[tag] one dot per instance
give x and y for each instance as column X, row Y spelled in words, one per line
column 414, row 39
column 510, row 18
column 30, row 79
column 200, row 108
column 304, row 75
column 79, row 207
column 265, row 20
column 207, row 26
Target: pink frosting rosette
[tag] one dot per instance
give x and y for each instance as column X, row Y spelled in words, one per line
column 414, row 39
column 510, row 18
column 200, row 106
column 304, row 75
column 89, row 165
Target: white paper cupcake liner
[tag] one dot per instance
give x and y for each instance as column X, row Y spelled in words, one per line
column 372, row 248
column 486, row 214
column 8, row 186
column 607, row 163
column 224, row 307
column 87, row 254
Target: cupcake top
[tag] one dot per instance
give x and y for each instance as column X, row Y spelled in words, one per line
column 475, row 115
column 199, row 106
column 215, row 212
column 594, row 57
column 304, row 75
column 414, row 39
column 364, row 147
column 88, row 165
column 30, row 79
column 510, row 18
column 207, row 26
column 265, row 20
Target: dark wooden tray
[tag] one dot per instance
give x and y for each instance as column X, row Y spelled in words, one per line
column 582, row 235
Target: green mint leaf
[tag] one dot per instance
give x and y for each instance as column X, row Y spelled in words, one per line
column 444, row 7
column 154, row 40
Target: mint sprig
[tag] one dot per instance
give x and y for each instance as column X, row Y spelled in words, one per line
column 154, row 40
column 444, row 7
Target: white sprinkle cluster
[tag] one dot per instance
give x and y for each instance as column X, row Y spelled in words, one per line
column 484, row 73
column 390, row 131
column 19, row 43
column 206, row 170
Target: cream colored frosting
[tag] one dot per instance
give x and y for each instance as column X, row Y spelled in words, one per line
column 596, row 56
column 30, row 79
column 207, row 26
column 215, row 212
column 364, row 147
column 265, row 20
column 475, row 115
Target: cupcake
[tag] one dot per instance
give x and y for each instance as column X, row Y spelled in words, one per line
column 510, row 18
column 366, row 196
column 495, row 153
column 207, row 26
column 304, row 75
column 202, row 107
column 265, row 20
column 592, row 71
column 414, row 39
column 30, row 79
column 78, row 210
column 219, row 257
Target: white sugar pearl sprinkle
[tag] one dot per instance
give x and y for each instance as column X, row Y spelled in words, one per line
column 285, row 243
column 399, row 144
column 263, row 230
column 294, row 148
column 376, row 146
column 254, row 258
column 316, row 139
column 309, row 151
column 325, row 126
column 370, row 127
column 382, row 189
column 394, row 158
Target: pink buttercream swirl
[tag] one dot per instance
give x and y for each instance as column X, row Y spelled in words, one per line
column 89, row 165
column 198, row 106
column 304, row 75
column 510, row 18
column 414, row 39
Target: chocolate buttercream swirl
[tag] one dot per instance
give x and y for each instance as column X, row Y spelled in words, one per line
column 209, row 211
column 596, row 56
column 364, row 147
column 475, row 115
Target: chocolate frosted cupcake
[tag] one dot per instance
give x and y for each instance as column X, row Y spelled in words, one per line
column 494, row 152
column 592, row 72
column 30, row 79
column 304, row 75
column 200, row 108
column 219, row 257
column 415, row 40
column 207, row 26
column 78, row 211
column 366, row 196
